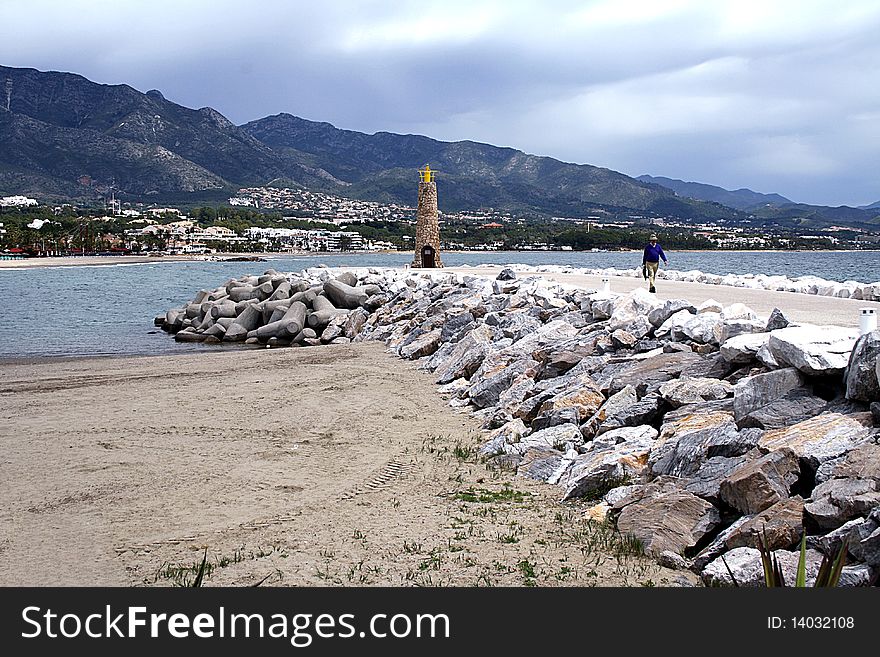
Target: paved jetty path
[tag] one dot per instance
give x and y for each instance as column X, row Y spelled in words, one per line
column 803, row 308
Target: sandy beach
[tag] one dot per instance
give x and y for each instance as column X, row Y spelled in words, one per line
column 97, row 261
column 339, row 465
column 90, row 261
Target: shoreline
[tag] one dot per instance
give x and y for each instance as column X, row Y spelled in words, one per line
column 108, row 261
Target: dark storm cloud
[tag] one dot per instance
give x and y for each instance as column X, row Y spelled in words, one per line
column 777, row 96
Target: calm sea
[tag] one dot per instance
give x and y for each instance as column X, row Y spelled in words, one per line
column 104, row 310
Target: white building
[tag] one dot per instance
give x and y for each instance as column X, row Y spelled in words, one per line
column 307, row 240
column 17, row 201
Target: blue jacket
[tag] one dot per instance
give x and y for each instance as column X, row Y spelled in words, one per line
column 653, row 253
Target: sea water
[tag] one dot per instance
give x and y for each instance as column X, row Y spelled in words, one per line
column 109, row 309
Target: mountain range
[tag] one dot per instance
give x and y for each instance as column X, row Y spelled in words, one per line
column 65, row 137
column 741, row 199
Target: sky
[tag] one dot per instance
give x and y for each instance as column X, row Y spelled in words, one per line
column 773, row 95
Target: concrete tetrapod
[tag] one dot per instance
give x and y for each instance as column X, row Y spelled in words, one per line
column 247, row 321
column 248, row 292
column 223, row 309
column 344, row 296
column 289, row 325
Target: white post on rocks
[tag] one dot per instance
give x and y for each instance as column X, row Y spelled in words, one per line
column 606, row 285
column 867, row 321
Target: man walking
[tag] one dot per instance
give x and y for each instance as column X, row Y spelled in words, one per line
column 651, row 261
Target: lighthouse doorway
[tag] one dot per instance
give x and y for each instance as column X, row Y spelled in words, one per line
column 428, row 256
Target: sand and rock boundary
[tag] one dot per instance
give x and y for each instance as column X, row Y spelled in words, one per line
column 692, row 428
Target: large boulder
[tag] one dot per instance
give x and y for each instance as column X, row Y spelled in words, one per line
column 556, row 363
column 814, row 350
column 685, row 443
column 710, row 306
column 608, row 465
column 568, row 415
column 743, row 348
column 794, row 406
column 717, row 546
column 649, row 374
column 585, row 398
column 488, row 391
column 864, row 540
column 817, row 439
column 706, row 481
column 644, row 434
column 629, row 308
column 686, row 390
column 455, row 325
column 424, row 345
column 466, row 357
column 661, row 313
column 674, row 520
column 623, row 339
column 748, row 570
column 862, row 462
column 837, row 501
column 560, row 437
column 614, row 405
column 507, row 434
column 543, row 464
column 777, row 320
column 518, row 325
column 755, row 392
column 703, row 327
column 731, row 328
column 644, row 411
column 862, row 370
column 761, row 481
column 738, row 311
column 674, row 325
column 781, row 525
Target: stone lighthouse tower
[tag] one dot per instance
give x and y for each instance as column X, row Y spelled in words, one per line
column 427, row 251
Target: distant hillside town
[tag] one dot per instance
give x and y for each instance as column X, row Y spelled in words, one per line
column 272, row 219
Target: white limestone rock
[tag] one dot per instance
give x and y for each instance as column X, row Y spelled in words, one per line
column 661, row 313
column 814, row 350
column 747, row 568
column 673, row 326
column 710, row 306
column 743, row 348
column 643, row 434
column 508, row 434
column 560, row 437
column 729, row 328
column 703, row 327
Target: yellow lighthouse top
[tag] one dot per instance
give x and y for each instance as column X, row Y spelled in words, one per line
column 426, row 175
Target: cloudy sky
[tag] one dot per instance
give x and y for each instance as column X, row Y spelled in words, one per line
column 775, row 95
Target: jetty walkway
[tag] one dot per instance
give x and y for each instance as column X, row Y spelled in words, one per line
column 802, row 308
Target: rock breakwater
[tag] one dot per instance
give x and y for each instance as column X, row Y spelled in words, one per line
column 799, row 284
column 691, row 428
